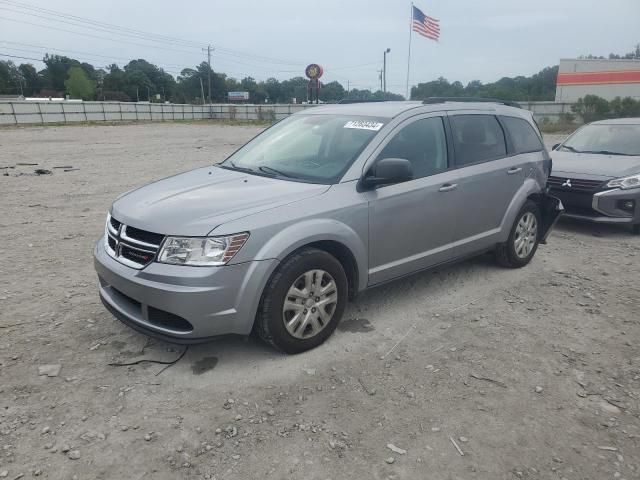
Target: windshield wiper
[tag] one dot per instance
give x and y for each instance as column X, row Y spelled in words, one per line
column 270, row 170
column 241, row 169
column 607, row 152
column 571, row 148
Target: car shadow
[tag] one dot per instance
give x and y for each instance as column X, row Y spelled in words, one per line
column 230, row 358
column 417, row 297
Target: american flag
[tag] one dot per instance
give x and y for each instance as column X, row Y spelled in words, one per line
column 426, row 26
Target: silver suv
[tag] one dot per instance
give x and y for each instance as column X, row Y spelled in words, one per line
column 321, row 206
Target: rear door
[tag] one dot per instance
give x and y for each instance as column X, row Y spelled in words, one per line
column 489, row 177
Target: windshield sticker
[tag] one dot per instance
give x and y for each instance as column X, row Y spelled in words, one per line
column 364, row 125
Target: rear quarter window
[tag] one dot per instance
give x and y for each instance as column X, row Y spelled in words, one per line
column 522, row 134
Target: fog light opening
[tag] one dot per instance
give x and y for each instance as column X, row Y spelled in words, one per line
column 627, row 205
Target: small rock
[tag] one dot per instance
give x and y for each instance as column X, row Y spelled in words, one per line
column 238, row 417
column 52, row 370
column 310, row 371
column 45, row 430
column 74, row 454
column 65, row 448
column 435, row 429
column 539, row 389
column 4, row 474
column 235, row 457
column 463, row 439
column 395, row 449
column 271, row 413
column 390, row 460
column 147, row 437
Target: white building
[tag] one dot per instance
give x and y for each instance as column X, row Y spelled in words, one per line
column 605, row 78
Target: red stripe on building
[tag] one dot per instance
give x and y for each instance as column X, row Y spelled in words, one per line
column 594, row 78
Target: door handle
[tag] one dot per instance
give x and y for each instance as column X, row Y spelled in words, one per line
column 514, row 170
column 447, row 187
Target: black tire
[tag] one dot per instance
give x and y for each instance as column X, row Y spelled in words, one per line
column 270, row 324
column 505, row 253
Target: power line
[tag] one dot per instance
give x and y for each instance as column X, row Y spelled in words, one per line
column 124, row 31
column 97, row 36
column 50, row 13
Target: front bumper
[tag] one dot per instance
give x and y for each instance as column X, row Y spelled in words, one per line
column 179, row 303
column 601, row 207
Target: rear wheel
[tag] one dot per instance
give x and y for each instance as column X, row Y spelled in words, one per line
column 523, row 239
column 303, row 301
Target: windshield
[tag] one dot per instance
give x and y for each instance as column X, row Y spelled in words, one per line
column 312, row 148
column 609, row 139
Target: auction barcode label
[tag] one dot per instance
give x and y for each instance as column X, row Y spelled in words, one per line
column 364, row 125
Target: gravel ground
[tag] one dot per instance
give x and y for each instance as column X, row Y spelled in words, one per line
column 531, row 373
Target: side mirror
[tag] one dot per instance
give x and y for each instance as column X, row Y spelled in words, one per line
column 388, row 171
column 555, row 147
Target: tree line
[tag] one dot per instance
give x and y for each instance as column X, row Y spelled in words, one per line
column 140, row 80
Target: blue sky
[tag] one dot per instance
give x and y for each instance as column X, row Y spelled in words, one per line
column 483, row 39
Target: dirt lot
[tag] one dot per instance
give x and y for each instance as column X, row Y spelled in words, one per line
column 533, row 373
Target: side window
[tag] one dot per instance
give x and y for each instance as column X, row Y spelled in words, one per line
column 477, row 138
column 423, row 143
column 524, row 137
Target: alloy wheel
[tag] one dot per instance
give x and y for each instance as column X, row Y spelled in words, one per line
column 526, row 235
column 310, row 304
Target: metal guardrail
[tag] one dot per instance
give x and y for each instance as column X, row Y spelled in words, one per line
column 36, row 112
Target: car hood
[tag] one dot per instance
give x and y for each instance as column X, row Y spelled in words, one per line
column 592, row 164
column 196, row 202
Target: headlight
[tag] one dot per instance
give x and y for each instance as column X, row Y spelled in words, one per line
column 201, row 251
column 632, row 181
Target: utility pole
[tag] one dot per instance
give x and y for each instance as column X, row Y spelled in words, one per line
column 202, row 91
column 148, row 95
column 380, row 78
column 384, row 73
column 209, row 49
column 137, row 96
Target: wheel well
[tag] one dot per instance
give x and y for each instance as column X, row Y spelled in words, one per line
column 345, row 257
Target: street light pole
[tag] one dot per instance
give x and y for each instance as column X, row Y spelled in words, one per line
column 384, row 72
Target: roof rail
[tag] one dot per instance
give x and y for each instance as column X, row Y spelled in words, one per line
column 432, row 100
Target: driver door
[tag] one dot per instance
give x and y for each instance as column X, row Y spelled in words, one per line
column 412, row 224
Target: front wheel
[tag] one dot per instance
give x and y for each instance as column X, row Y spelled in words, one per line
column 523, row 240
column 303, row 301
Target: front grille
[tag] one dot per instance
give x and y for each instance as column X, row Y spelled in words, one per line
column 114, row 223
column 143, row 236
column 131, row 246
column 569, row 184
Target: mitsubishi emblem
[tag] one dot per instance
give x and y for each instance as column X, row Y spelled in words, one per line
column 567, row 183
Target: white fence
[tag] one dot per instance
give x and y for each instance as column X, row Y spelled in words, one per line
column 30, row 112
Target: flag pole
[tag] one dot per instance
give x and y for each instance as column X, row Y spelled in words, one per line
column 409, row 55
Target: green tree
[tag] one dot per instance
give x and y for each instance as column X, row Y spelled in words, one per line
column 9, row 78
column 79, row 85
column 56, row 71
column 30, row 79
column 591, row 108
